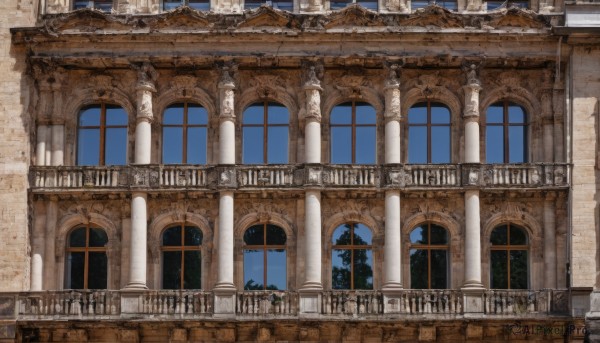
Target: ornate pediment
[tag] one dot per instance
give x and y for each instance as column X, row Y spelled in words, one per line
column 517, row 17
column 86, row 20
column 266, row 16
column 182, row 17
column 354, row 15
column 433, row 15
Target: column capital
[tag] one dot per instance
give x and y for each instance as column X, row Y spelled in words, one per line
column 312, row 82
column 226, row 81
column 392, row 81
column 146, row 76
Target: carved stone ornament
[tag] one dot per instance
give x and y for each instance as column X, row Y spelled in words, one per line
column 350, row 86
column 473, row 176
column 265, row 84
column 314, row 176
column 146, row 75
column 227, row 177
column 354, row 15
column 266, row 16
column 396, row 6
column 392, row 80
column 184, row 84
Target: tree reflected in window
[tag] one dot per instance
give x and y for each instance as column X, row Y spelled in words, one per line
column 429, row 133
column 509, row 257
column 102, row 136
column 429, row 257
column 182, row 257
column 265, row 258
column 185, row 128
column 353, row 133
column 352, row 257
column 265, row 131
column 87, row 263
column 506, row 133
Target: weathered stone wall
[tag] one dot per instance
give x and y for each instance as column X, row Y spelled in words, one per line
column 15, row 99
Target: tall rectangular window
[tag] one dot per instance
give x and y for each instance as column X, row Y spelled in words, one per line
column 102, row 136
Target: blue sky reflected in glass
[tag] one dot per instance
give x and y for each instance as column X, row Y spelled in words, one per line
column 506, row 133
column 254, row 268
column 429, row 133
column 97, row 123
column 270, row 122
column 276, row 269
column 353, row 133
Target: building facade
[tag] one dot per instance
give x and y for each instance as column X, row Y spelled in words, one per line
column 299, row 171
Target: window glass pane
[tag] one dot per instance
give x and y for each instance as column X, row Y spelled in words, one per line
column 254, row 114
column 171, row 270
column 365, row 113
column 193, row 236
column 439, row 235
column 249, row 4
column 516, row 114
column 196, row 148
column 103, row 5
column 253, row 145
column 276, row 269
column 90, row 116
column 368, row 4
column 340, row 269
column 277, row 145
column 494, row 144
column 98, row 270
column 363, row 271
column 342, row 114
column 253, row 269
column 172, row 237
column 517, row 236
column 495, row 114
column 516, row 138
column 171, row 4
column 439, row 269
column 417, row 144
column 518, row 269
column 88, row 147
column 282, row 5
column 339, row 4
column 98, row 238
column 173, row 115
column 200, row 5
column 197, row 115
column 419, row 235
column 365, row 145
column 254, row 235
column 418, row 269
column 192, row 270
column 418, row 114
column 77, row 238
column 275, row 235
column 75, row 265
column 499, row 273
column 341, row 145
column 341, row 235
column 115, row 151
column 499, row 236
column 440, row 114
column 278, row 114
column 362, row 235
column 172, row 145
column 440, row 144
column 115, row 115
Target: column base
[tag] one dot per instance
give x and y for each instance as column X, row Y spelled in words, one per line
column 392, row 294
column 131, row 302
column 473, row 301
column 224, row 300
column 310, row 301
column 135, row 286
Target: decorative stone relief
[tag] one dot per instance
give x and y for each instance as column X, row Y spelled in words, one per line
column 226, row 93
column 313, row 90
column 471, row 90
column 396, row 6
column 392, row 93
column 227, row 178
column 57, row 6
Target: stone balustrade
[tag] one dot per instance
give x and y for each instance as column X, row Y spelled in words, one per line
column 353, row 303
column 431, row 301
column 267, row 303
column 176, row 302
column 70, row 303
column 177, row 177
column 525, row 302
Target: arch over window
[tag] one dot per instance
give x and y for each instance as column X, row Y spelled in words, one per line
column 102, row 135
column 265, row 258
column 429, row 133
column 87, row 262
column 185, row 127
column 352, row 257
column 102, row 5
column 429, row 260
column 353, row 133
column 265, row 131
column 200, row 5
column 182, row 257
column 506, row 133
column 509, row 257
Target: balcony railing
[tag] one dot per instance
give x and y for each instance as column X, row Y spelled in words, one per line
column 178, row 177
column 109, row 304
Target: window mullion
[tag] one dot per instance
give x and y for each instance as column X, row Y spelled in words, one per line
column 185, row 131
column 265, row 139
column 102, row 133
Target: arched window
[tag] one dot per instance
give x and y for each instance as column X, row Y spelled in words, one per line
column 509, row 260
column 102, row 5
column 506, row 133
column 353, row 133
column 429, row 260
column 102, row 136
column 185, row 128
column 265, row 133
column 87, row 263
column 429, row 133
column 200, row 5
column 181, row 257
column 265, row 258
column 352, row 257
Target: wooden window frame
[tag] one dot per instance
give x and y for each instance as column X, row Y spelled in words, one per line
column 102, row 131
column 352, row 247
column 181, row 248
column 508, row 248
column 428, row 247
column 184, row 128
column 353, row 125
column 266, row 247
column 506, row 124
column 86, row 250
column 429, row 125
column 265, row 126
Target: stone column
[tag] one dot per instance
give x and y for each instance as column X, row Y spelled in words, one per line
column 138, row 243
column 548, row 116
column 550, row 241
column 312, row 129
column 471, row 116
column 58, row 146
column 49, row 281
column 313, row 246
column 143, row 130
column 40, row 149
column 472, row 241
column 224, row 290
column 58, row 122
column 392, row 116
column 393, row 247
column 38, row 241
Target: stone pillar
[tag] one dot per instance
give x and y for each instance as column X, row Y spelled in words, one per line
column 550, row 241
column 472, row 241
column 548, row 116
column 310, row 292
column 312, row 140
column 392, row 116
column 227, row 118
column 143, row 130
column 49, row 281
column 58, row 146
column 471, row 116
column 138, row 242
column 393, row 247
column 38, row 241
column 40, row 149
